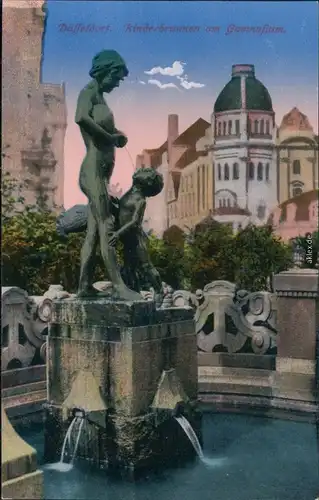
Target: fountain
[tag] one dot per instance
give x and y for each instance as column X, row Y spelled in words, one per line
column 124, row 364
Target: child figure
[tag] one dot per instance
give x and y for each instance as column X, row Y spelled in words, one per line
column 138, row 268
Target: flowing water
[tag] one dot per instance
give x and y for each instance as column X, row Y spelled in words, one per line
column 62, row 466
column 189, row 431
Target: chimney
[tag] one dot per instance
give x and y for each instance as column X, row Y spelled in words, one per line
column 139, row 162
column 172, row 134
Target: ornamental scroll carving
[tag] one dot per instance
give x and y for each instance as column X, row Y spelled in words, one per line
column 231, row 320
column 24, row 328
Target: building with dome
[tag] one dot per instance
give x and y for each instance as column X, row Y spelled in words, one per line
column 235, row 169
column 244, row 154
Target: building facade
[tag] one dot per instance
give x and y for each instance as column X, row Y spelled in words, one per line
column 33, row 112
column 237, row 168
column 298, row 216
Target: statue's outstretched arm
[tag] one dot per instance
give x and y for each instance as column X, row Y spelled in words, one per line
column 85, row 121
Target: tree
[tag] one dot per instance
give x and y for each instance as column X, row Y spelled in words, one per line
column 254, row 255
column 205, row 253
column 168, row 260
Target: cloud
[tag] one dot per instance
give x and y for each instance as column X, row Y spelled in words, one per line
column 189, row 85
column 143, row 83
column 176, row 69
column 163, row 85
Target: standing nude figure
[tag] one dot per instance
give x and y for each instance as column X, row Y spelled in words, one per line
column 100, row 136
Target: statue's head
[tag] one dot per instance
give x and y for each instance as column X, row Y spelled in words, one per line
column 108, row 69
column 149, row 181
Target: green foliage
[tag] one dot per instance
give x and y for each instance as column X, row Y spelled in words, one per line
column 168, row 260
column 206, row 254
column 254, row 255
column 34, row 256
column 11, row 195
column 310, row 246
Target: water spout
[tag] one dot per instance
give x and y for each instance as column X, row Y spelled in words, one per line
column 62, row 466
column 189, row 431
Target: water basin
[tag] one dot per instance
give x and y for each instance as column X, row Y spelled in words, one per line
column 247, row 457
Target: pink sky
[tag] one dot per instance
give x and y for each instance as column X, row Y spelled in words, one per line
column 146, row 126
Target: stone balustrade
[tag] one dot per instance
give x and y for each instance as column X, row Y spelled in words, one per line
column 24, row 328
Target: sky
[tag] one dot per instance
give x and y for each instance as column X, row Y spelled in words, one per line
column 179, row 72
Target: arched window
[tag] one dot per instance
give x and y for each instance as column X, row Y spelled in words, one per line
column 226, row 172
column 267, row 128
column 220, row 203
column 219, row 172
column 251, row 171
column 296, row 167
column 297, row 188
column 235, row 171
column 237, row 127
column 262, row 126
column 267, row 172
column 229, row 127
column 256, row 127
column 224, row 202
column 260, row 172
column 224, row 128
column 296, row 191
column 219, row 130
column 228, row 202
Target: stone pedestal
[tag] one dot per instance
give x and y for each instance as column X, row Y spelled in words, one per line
column 298, row 321
column 20, row 477
column 128, row 366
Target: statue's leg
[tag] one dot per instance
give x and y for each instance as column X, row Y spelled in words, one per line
column 88, row 258
column 103, row 217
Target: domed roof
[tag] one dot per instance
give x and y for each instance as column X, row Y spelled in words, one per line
column 253, row 95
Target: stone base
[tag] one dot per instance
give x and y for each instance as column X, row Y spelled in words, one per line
column 27, row 486
column 126, row 366
column 129, row 443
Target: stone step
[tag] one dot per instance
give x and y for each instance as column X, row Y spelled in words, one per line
column 23, row 389
column 240, row 373
column 19, row 400
column 207, row 386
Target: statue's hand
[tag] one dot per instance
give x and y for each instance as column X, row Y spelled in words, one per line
column 120, row 140
column 113, row 238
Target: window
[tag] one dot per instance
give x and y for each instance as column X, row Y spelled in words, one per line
column 296, row 191
column 203, row 187
column 226, row 172
column 251, row 171
column 267, row 172
column 296, row 167
column 267, row 128
column 219, row 128
column 237, row 128
column 220, row 203
column 228, row 202
column 256, row 127
column 248, row 126
column 261, row 211
column 219, row 168
column 224, row 128
column 262, row 126
column 235, row 171
column 229, row 127
column 224, row 202
column 260, row 172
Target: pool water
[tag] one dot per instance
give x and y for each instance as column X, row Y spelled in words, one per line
column 247, row 458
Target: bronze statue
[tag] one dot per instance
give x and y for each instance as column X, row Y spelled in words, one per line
column 100, row 136
column 139, row 273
